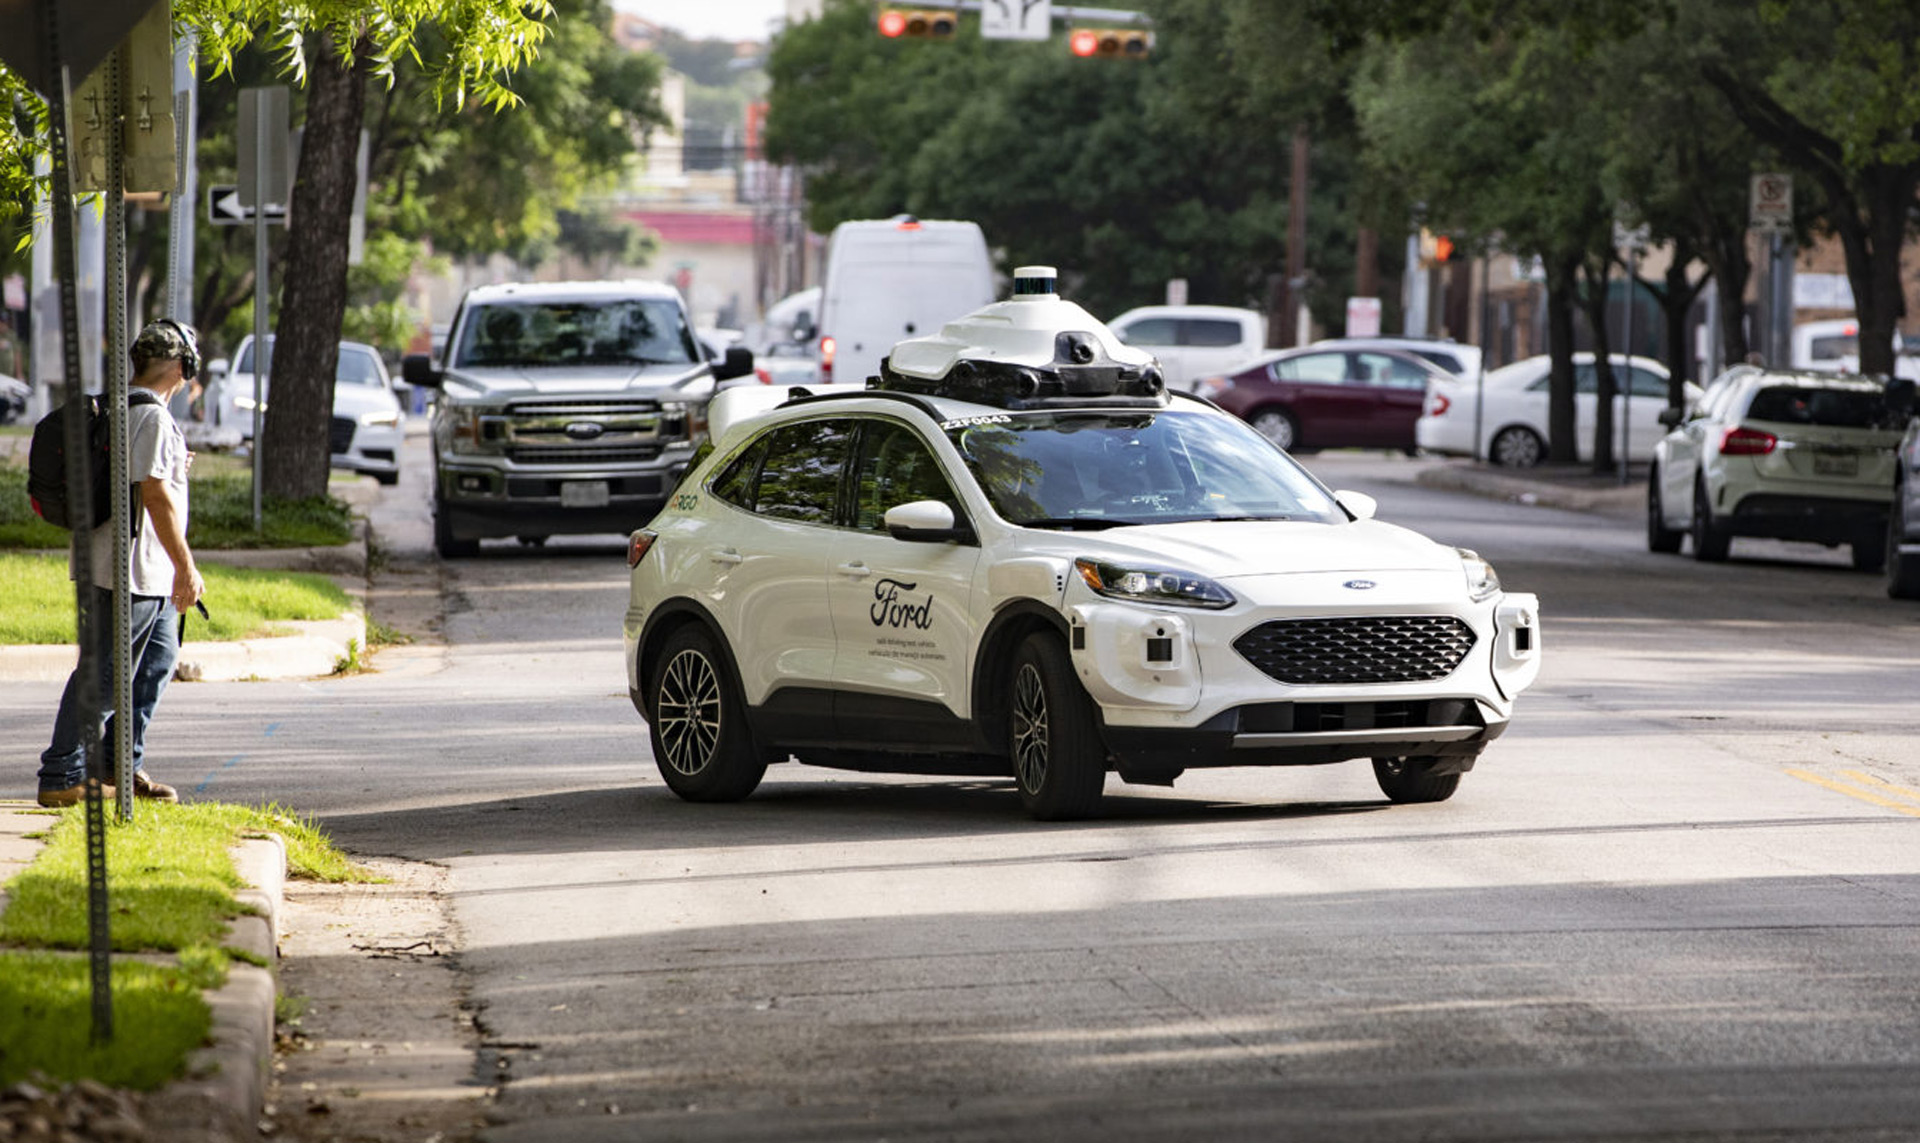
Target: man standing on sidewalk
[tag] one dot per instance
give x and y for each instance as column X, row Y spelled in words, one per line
column 163, row 579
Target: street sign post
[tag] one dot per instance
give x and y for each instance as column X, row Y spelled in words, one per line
column 1770, row 203
column 1016, row 19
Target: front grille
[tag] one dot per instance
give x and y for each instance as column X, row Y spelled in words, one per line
column 561, row 454
column 605, row 431
column 1358, row 649
column 340, row 434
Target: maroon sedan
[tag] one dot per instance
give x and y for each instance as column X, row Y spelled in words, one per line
column 1324, row 397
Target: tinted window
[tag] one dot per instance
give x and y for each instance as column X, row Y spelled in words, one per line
column 1446, row 361
column 801, row 477
column 1320, row 368
column 736, row 480
column 1097, row 470
column 357, row 367
column 1150, row 331
column 1804, row 405
column 1390, row 371
column 1647, row 383
column 895, row 468
column 623, row 331
column 1210, row 332
column 1833, row 348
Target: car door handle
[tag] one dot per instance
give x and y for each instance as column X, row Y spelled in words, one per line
column 856, row 569
column 726, row 556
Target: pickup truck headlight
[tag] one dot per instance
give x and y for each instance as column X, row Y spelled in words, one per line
column 1482, row 581
column 468, row 431
column 1143, row 584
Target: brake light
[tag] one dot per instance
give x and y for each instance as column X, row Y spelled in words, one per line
column 1747, row 442
column 760, row 371
column 638, row 545
column 826, row 358
column 1437, row 405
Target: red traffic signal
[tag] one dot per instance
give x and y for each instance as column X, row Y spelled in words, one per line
column 917, row 23
column 1110, row 42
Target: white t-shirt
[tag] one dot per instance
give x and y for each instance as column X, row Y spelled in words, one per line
column 156, row 450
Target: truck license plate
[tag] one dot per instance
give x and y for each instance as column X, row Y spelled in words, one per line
column 1836, row 464
column 584, row 494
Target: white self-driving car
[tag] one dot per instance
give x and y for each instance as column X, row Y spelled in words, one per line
column 1018, row 554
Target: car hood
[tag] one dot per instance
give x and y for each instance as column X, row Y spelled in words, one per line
column 353, row 400
column 1228, row 550
column 693, row 379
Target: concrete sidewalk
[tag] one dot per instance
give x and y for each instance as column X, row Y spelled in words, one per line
column 1571, row 487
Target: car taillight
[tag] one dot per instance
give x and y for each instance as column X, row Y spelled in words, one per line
column 1747, row 442
column 760, row 371
column 638, row 545
column 826, row 358
column 1437, row 404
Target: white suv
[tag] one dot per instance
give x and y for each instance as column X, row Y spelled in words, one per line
column 1019, row 556
column 1790, row 456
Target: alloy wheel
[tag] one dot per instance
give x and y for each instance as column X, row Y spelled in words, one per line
column 688, row 712
column 1029, row 729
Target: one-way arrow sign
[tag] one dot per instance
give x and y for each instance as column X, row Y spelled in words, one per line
column 224, row 208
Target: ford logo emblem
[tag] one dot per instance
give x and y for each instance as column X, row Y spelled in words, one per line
column 585, row 430
column 1360, row 584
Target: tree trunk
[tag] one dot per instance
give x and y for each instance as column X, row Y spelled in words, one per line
column 1561, row 447
column 1676, row 301
column 1594, row 303
column 1872, row 244
column 307, row 335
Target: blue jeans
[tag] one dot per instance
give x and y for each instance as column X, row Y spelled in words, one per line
column 156, row 647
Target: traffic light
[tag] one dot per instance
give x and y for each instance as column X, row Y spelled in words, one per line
column 1122, row 43
column 917, row 23
column 1435, row 249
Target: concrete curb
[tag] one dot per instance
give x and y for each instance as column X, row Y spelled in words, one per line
column 1543, row 490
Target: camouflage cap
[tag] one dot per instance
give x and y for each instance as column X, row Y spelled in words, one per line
column 166, row 340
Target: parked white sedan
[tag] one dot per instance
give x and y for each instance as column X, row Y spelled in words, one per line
column 1791, row 456
column 365, row 430
column 1513, row 426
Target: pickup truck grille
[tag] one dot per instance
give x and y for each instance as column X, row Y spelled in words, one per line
column 1358, row 649
column 586, row 431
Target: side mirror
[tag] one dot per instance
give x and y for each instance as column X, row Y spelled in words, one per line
column 738, row 362
column 417, row 369
column 1671, row 416
column 925, row 521
column 1358, row 504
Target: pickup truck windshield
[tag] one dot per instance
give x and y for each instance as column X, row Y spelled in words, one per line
column 613, row 332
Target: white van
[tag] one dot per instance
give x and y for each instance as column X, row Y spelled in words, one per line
column 1192, row 342
column 891, row 279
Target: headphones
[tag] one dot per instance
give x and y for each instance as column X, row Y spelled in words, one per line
column 190, row 363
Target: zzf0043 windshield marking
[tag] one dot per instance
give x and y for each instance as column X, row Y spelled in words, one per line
column 983, row 419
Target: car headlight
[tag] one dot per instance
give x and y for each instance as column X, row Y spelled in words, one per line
column 383, row 420
column 1482, row 581
column 1142, row 584
column 468, row 431
column 248, row 404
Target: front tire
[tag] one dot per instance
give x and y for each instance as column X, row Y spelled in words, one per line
column 1059, row 761
column 1903, row 572
column 1277, row 426
column 1710, row 539
column 698, row 721
column 1660, row 538
column 444, row 541
column 1517, row 446
column 1411, row 781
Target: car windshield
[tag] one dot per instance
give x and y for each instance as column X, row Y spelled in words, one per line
column 357, row 367
column 625, row 331
column 1811, row 405
column 1090, row 470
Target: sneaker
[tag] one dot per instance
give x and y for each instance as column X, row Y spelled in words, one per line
column 145, row 787
column 71, row 796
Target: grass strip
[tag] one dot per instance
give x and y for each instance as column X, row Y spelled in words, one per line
column 170, row 889
column 220, row 514
column 243, row 603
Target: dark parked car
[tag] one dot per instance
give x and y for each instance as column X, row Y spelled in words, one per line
column 1320, row 397
column 13, row 398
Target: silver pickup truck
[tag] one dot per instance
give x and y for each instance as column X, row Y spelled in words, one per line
column 564, row 408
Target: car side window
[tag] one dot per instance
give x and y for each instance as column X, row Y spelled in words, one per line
column 1647, row 383
column 1211, row 333
column 1151, row 331
column 1391, row 372
column 735, row 482
column 895, row 468
column 1319, row 368
column 800, row 479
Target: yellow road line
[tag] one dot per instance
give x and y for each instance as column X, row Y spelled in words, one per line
column 1855, row 792
column 1883, row 785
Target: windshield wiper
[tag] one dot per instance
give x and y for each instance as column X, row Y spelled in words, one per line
column 1073, row 523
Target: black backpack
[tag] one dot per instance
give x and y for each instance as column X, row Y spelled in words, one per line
column 47, row 460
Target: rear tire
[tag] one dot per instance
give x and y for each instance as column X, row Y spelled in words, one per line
column 1710, row 539
column 1903, row 572
column 698, row 721
column 1660, row 538
column 1411, row 781
column 1059, row 760
column 1517, row 446
column 1277, row 426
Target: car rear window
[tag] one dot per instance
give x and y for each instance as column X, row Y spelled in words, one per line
column 1211, row 333
column 1806, row 405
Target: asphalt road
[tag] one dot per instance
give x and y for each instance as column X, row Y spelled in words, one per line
column 1678, row 900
